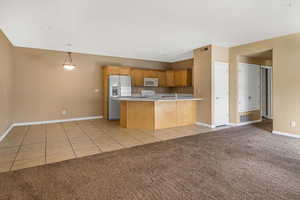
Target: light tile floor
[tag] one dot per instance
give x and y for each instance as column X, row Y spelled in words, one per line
column 28, row 146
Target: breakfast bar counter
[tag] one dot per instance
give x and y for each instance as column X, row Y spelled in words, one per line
column 157, row 113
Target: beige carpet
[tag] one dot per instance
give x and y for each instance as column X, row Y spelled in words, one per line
column 245, row 163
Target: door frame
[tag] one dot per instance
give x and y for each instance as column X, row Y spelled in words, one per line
column 213, row 95
column 271, row 91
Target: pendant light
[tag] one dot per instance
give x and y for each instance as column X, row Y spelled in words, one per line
column 68, row 64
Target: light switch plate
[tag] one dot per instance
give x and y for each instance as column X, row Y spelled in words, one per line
column 64, row 112
column 293, row 124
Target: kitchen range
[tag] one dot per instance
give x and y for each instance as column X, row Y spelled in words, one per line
column 145, row 110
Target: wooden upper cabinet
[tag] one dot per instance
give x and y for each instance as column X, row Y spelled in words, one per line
column 170, row 82
column 169, row 78
column 151, row 73
column 125, row 71
column 112, row 70
column 183, row 78
column 137, row 77
column 162, row 79
column 117, row 70
column 180, row 77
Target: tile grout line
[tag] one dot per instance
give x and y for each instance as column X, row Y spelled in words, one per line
column 19, row 148
column 89, row 137
column 150, row 135
column 113, row 139
column 110, row 137
column 141, row 143
column 69, row 140
column 137, row 139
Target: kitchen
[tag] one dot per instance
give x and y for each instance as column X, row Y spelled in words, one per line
column 149, row 99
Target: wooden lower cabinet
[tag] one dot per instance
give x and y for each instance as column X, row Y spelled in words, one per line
column 186, row 112
column 175, row 113
column 165, row 114
column 153, row 115
column 137, row 114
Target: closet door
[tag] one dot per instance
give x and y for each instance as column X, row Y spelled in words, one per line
column 221, row 93
column 249, row 87
column 254, row 87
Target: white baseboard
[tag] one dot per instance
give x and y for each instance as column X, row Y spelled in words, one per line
column 245, row 123
column 6, row 132
column 57, row 121
column 286, row 134
column 206, row 125
column 47, row 122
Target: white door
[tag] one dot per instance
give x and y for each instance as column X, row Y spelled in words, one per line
column 221, row 91
column 249, row 87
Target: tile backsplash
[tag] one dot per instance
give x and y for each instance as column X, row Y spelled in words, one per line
column 185, row 90
column 135, row 90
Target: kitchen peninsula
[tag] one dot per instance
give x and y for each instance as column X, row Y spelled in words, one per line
column 157, row 112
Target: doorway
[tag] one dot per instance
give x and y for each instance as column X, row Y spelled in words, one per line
column 255, row 86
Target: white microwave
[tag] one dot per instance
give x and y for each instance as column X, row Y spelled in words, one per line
column 151, row 82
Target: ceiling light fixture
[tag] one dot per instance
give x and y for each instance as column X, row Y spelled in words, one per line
column 68, row 64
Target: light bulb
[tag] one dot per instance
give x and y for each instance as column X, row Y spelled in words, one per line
column 69, row 67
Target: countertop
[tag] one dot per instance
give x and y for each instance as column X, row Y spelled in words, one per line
column 157, row 98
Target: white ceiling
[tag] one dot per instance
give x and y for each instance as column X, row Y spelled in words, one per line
column 162, row 30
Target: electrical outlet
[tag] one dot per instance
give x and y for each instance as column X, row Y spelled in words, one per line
column 64, row 112
column 293, row 124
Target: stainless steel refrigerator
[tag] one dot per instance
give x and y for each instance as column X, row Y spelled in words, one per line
column 118, row 86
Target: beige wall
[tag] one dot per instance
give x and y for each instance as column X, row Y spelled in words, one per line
column 43, row 88
column 204, row 80
column 6, row 67
column 202, row 83
column 220, row 54
column 286, row 81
